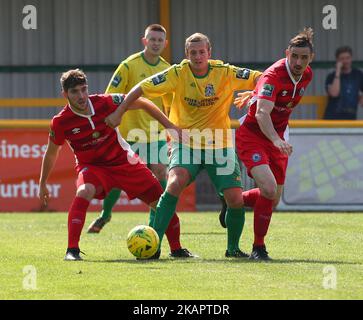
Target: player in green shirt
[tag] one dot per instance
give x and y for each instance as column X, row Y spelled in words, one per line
column 203, row 92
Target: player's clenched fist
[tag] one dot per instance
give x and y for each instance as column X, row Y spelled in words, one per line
column 113, row 120
column 283, row 146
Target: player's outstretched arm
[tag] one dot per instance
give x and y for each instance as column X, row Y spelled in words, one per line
column 49, row 159
column 114, row 119
column 157, row 114
column 263, row 117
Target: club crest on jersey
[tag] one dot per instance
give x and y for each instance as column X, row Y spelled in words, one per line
column 267, row 90
column 301, row 93
column 159, row 78
column 242, row 74
column 289, row 105
column 256, row 157
column 76, row 130
column 116, row 80
column 209, row 90
column 284, row 93
column 95, row 135
column 117, row 98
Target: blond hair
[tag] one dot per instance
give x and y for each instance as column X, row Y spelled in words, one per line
column 197, row 37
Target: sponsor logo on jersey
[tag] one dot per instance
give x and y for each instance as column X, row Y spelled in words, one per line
column 116, row 80
column 160, row 78
column 242, row 73
column 143, row 75
column 193, row 85
column 301, row 93
column 117, row 98
column 95, row 135
column 201, row 103
column 267, row 90
column 289, row 105
column 256, row 157
column 76, row 130
column 209, row 90
column 284, row 93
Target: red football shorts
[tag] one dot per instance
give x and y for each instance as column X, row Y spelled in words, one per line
column 254, row 151
column 135, row 179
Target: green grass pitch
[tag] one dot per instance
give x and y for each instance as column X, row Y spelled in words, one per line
column 316, row 256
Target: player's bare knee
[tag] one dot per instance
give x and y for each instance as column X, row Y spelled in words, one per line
column 176, row 184
column 175, row 187
column 269, row 191
column 235, row 204
column 234, row 201
column 86, row 191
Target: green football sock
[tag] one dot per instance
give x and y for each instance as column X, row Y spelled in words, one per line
column 152, row 211
column 235, row 220
column 152, row 214
column 109, row 203
column 164, row 212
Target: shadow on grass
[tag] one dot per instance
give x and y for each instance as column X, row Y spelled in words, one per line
column 226, row 261
column 146, row 261
column 205, row 233
column 282, row 261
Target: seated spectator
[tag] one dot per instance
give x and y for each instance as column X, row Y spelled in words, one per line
column 344, row 87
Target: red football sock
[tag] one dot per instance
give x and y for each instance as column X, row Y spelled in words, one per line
column 250, row 197
column 262, row 218
column 76, row 219
column 173, row 233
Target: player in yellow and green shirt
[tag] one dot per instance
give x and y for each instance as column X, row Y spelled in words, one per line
column 136, row 127
column 203, row 91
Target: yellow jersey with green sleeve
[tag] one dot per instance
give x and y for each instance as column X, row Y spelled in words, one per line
column 202, row 103
column 129, row 73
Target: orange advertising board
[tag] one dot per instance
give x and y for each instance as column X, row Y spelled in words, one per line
column 21, row 152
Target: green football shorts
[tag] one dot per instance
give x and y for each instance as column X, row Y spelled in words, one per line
column 222, row 165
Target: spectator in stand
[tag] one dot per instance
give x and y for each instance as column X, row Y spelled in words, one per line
column 344, row 87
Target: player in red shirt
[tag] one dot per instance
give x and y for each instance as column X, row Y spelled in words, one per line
column 260, row 139
column 103, row 158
